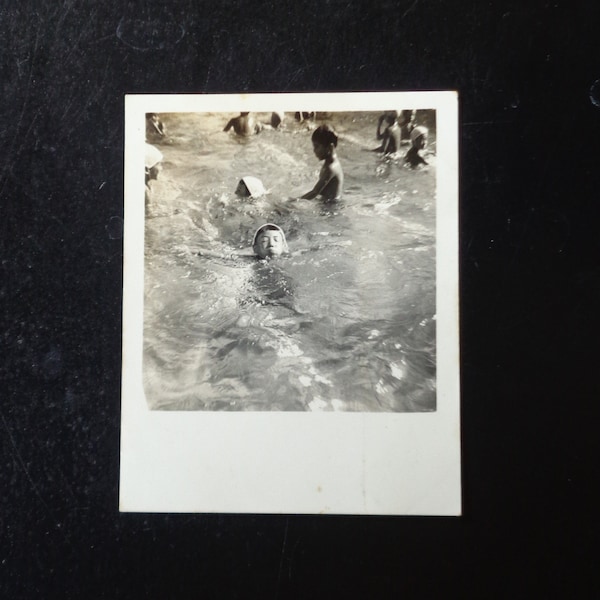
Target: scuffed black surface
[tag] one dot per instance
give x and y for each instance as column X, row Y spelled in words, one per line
column 527, row 75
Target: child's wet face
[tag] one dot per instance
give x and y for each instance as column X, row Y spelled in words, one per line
column 420, row 142
column 154, row 171
column 269, row 243
column 322, row 151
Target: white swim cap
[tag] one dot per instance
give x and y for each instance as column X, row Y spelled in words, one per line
column 254, row 186
column 270, row 226
column 152, row 156
column 418, row 131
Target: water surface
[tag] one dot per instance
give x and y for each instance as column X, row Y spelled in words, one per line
column 345, row 322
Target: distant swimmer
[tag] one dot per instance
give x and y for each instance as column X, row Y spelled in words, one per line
column 331, row 178
column 407, row 122
column 390, row 136
column 250, row 187
column 244, row 125
column 277, row 119
column 302, row 116
column 155, row 128
column 306, row 119
column 418, row 138
column 152, row 166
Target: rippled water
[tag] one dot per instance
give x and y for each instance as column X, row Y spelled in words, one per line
column 345, row 322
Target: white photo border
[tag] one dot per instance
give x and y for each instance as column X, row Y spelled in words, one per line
column 281, row 462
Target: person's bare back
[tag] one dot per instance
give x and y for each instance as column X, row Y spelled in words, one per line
column 244, row 125
column 390, row 135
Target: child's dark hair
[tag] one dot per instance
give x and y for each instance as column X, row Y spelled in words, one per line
column 324, row 134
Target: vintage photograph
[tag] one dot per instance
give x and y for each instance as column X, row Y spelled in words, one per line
column 290, row 307
column 289, row 260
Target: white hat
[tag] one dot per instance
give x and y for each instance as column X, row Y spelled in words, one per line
column 417, row 132
column 152, row 156
column 254, row 186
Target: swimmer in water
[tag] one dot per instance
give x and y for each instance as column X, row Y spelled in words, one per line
column 268, row 242
column 331, row 178
column 390, row 136
column 244, row 125
column 302, row 116
column 250, row 187
column 418, row 138
column 306, row 118
column 406, row 120
column 152, row 167
column 277, row 118
column 155, row 128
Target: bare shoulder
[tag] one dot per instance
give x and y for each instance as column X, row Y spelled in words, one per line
column 336, row 167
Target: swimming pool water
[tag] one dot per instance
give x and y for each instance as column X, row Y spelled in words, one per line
column 346, row 322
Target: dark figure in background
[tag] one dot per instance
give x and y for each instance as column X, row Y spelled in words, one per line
column 155, row 128
column 418, row 138
column 304, row 116
column 277, row 118
column 390, row 136
column 244, row 125
column 407, row 122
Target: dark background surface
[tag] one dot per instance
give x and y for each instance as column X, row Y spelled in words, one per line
column 530, row 291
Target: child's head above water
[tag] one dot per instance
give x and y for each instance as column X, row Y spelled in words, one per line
column 324, row 140
column 390, row 116
column 325, row 135
column 250, row 187
column 152, row 162
column 269, row 240
column 418, row 137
